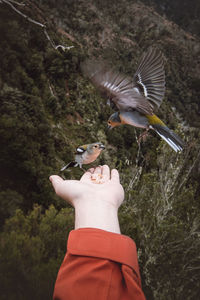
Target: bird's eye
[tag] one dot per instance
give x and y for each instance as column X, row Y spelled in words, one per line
column 95, row 146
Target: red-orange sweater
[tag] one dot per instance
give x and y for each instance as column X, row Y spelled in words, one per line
column 99, row 265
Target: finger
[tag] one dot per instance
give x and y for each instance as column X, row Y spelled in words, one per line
column 97, row 170
column 106, row 172
column 86, row 176
column 115, row 176
column 56, row 181
column 91, row 170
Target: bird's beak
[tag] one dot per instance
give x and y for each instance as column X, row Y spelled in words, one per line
column 102, row 147
column 109, row 127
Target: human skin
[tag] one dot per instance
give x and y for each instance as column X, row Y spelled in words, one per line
column 96, row 197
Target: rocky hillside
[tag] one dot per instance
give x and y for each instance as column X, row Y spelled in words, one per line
column 48, row 108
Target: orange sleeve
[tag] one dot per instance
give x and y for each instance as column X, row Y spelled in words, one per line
column 99, row 265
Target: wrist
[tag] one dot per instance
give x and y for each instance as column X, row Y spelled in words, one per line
column 96, row 213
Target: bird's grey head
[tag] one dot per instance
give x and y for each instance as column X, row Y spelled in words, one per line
column 114, row 120
column 96, row 147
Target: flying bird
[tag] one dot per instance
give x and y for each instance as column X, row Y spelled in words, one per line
column 85, row 154
column 135, row 98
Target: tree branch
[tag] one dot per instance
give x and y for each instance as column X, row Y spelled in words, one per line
column 10, row 3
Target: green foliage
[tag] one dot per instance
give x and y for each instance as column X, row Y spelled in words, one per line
column 48, row 109
column 10, row 200
column 162, row 216
column 32, row 249
column 27, row 147
column 187, row 17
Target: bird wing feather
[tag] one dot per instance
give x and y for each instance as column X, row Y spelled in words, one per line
column 81, row 149
column 119, row 88
column 150, row 76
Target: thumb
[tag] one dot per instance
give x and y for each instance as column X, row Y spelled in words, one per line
column 115, row 176
column 56, row 182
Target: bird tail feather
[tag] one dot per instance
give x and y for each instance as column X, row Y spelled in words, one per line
column 173, row 140
column 69, row 165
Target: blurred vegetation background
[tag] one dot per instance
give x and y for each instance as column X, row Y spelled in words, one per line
column 48, row 108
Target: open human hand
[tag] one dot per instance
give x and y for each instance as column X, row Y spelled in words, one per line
column 99, row 184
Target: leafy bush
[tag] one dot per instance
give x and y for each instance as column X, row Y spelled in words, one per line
column 32, row 248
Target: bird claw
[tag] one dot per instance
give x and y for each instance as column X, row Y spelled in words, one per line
column 143, row 136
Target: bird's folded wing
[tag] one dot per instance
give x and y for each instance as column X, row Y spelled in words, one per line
column 120, row 88
column 81, row 149
column 150, row 76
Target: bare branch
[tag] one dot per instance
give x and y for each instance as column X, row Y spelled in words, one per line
column 56, row 47
column 63, row 47
column 20, row 13
column 15, row 2
column 53, row 44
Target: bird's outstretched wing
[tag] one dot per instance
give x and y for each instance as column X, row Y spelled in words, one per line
column 150, row 76
column 119, row 88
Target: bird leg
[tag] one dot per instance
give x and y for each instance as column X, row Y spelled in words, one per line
column 83, row 169
column 143, row 136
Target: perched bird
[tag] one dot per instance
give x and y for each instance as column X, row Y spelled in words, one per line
column 135, row 98
column 85, row 154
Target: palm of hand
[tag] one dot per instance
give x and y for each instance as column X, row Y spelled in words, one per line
column 88, row 189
